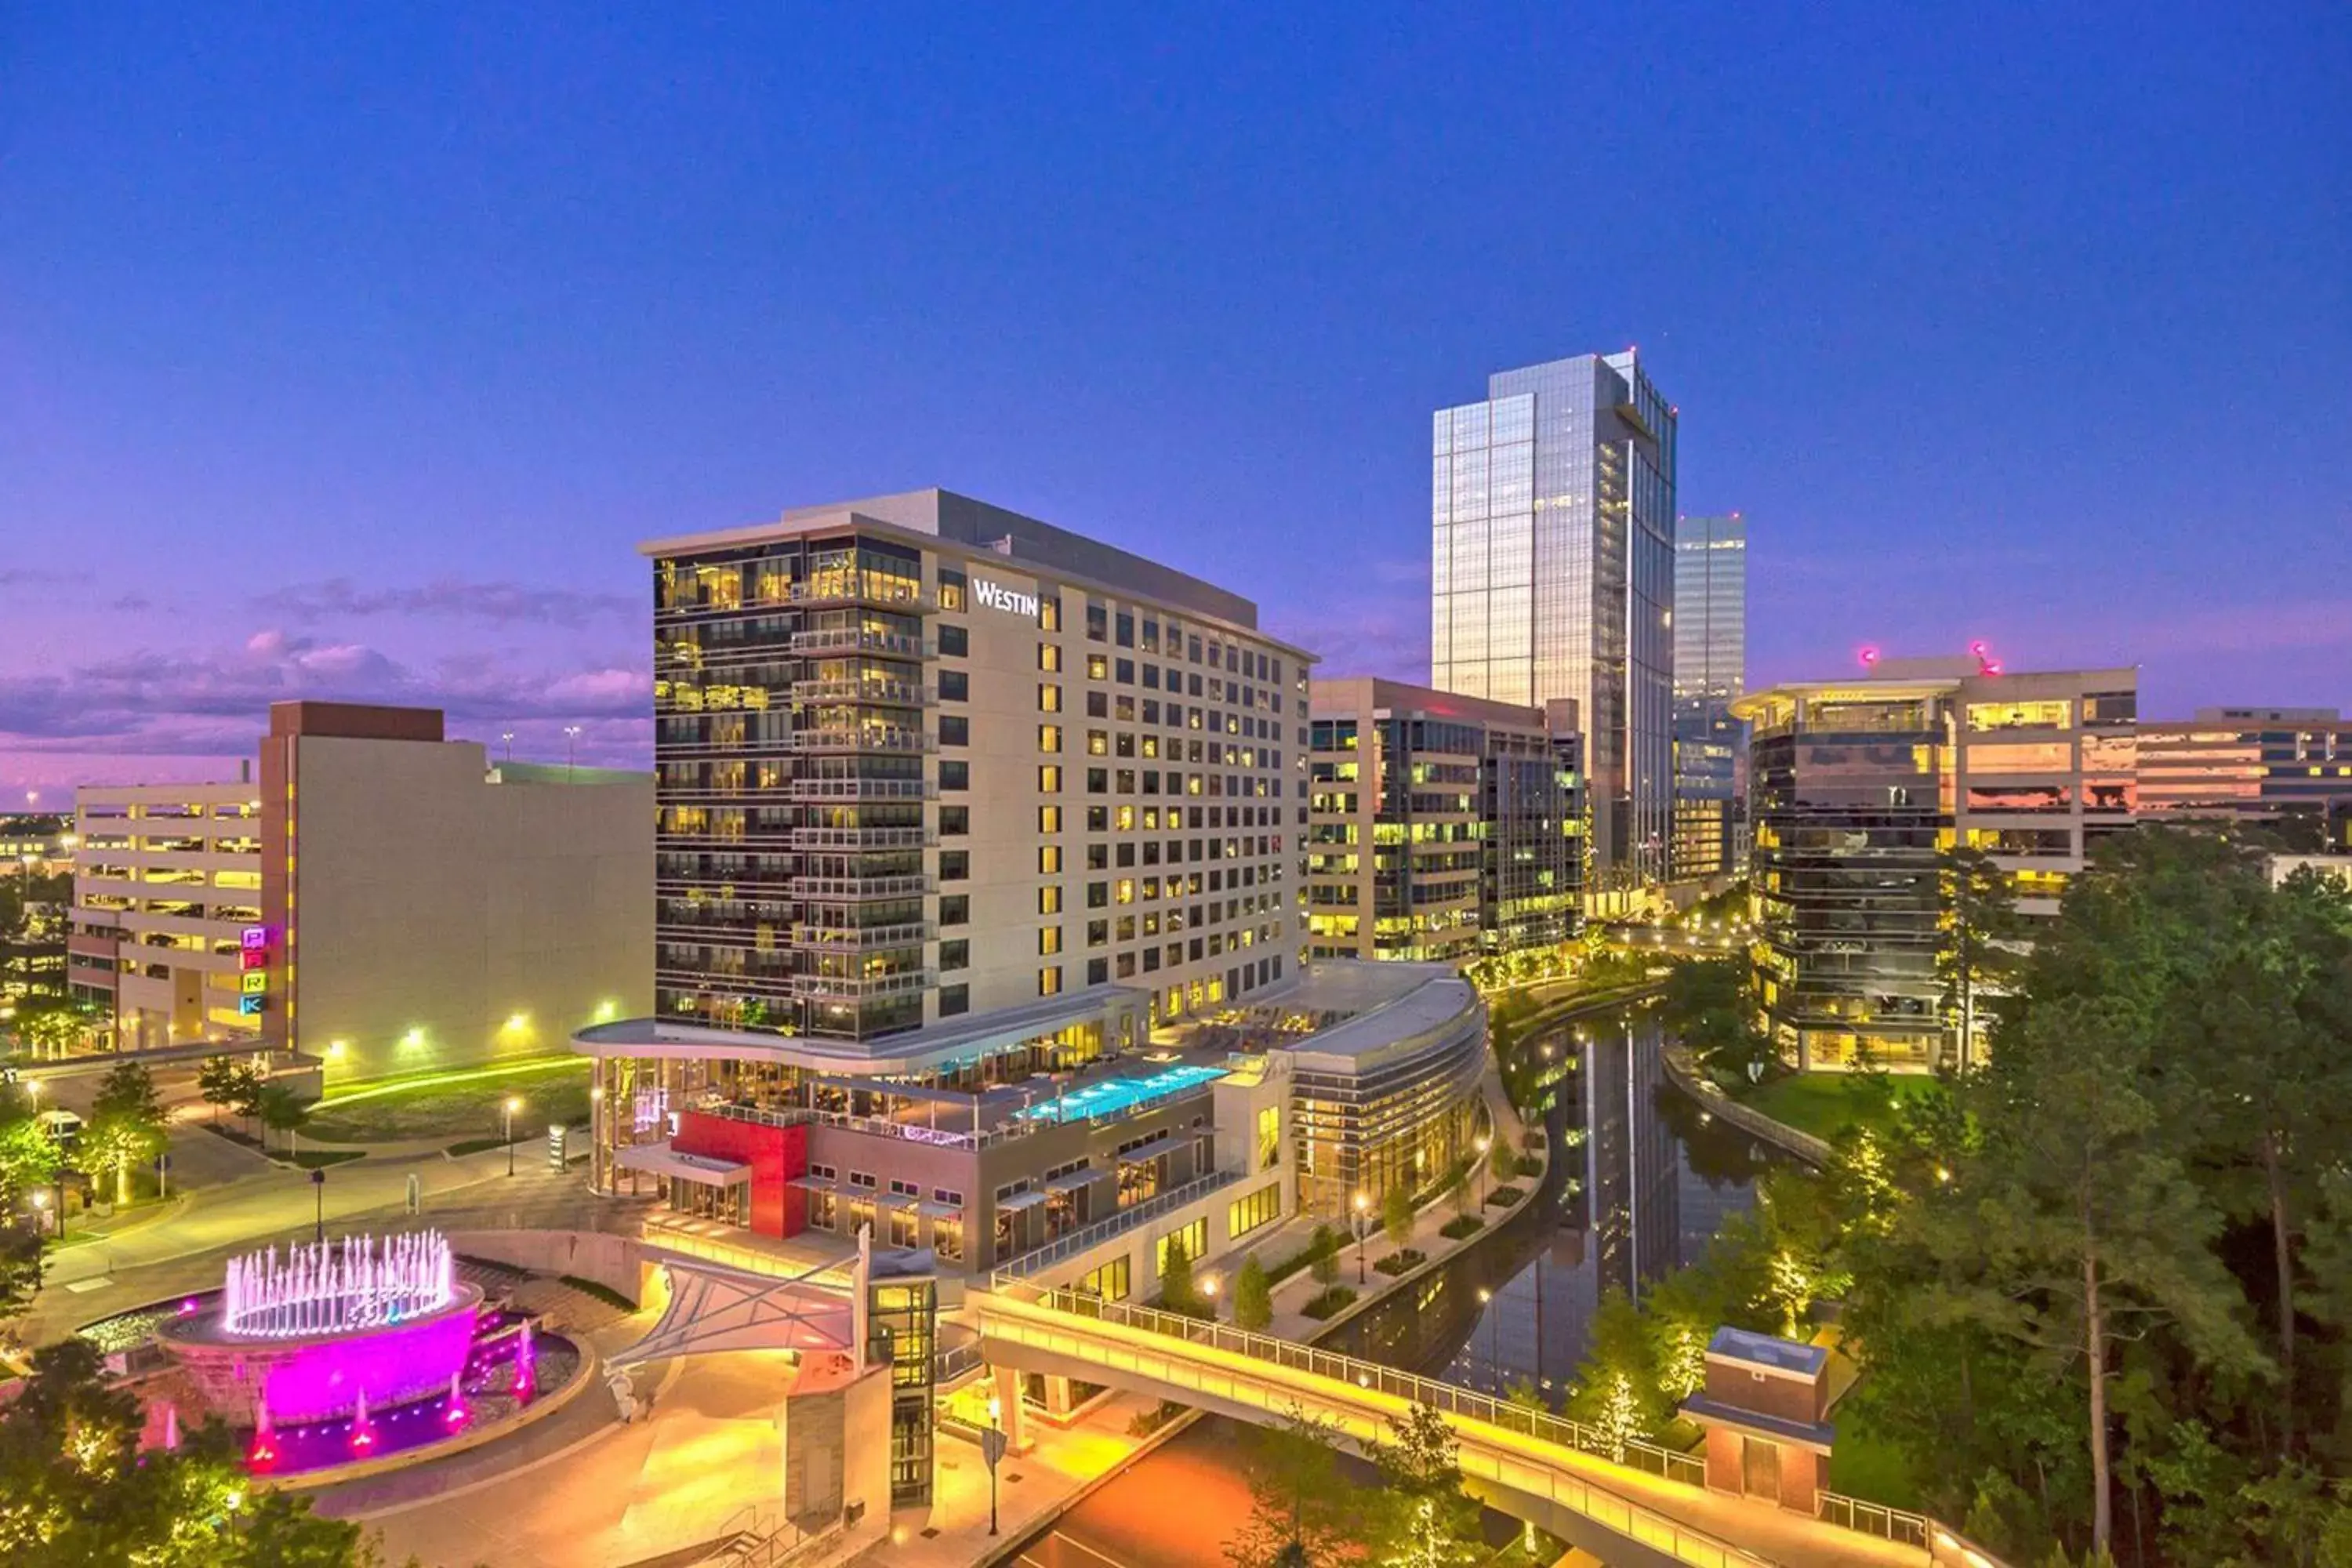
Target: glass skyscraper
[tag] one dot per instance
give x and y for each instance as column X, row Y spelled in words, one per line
column 1552, row 538
column 1710, row 669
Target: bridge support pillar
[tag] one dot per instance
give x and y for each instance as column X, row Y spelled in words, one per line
column 1011, row 1417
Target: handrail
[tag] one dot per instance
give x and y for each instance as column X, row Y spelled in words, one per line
column 1687, row 1542
column 1896, row 1524
column 1087, row 1236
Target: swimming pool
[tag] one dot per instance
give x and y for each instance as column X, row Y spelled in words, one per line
column 1116, row 1094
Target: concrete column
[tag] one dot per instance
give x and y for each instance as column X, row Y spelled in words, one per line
column 1058, row 1396
column 1011, row 1418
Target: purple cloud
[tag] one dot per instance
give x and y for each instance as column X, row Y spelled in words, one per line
column 450, row 598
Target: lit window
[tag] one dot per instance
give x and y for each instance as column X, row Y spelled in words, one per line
column 1049, row 981
column 1049, row 859
column 1049, row 698
column 1049, row 941
column 1049, row 737
column 1049, row 779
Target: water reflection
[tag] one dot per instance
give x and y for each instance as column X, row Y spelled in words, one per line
column 1640, row 1181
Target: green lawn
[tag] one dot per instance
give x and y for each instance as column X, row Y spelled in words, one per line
column 449, row 1105
column 1825, row 1103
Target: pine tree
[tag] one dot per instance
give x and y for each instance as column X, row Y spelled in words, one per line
column 1252, row 1297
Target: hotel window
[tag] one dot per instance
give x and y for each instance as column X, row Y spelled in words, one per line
column 1097, row 705
column 1049, row 941
column 956, row 955
column 1049, row 859
column 1098, row 971
column 1049, row 981
column 954, row 820
column 955, row 865
column 1261, row 1208
column 1049, row 656
column 954, row 1001
column 1049, row 899
column 952, row 590
column 955, row 642
column 1195, row 1237
column 1098, row 932
column 1049, row 698
column 1049, row 737
column 1098, row 743
column 1097, row 624
column 1109, row 1282
column 1049, row 614
column 955, row 729
column 1049, row 818
column 1098, row 666
column 1127, row 889
column 955, row 685
column 1098, row 781
column 956, row 774
column 1049, row 782
column 1123, row 628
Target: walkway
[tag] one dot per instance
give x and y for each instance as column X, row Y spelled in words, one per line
column 1525, row 1458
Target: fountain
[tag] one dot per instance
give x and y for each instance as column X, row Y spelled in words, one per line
column 327, row 1329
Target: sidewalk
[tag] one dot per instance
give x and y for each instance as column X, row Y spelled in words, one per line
column 1290, row 1297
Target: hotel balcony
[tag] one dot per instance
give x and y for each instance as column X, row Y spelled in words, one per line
column 862, row 837
column 884, row 593
column 860, row 890
column 861, row 987
column 805, row 789
column 857, row 640
column 860, row 939
column 863, row 741
column 888, row 694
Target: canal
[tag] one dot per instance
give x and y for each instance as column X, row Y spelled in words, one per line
column 1640, row 1180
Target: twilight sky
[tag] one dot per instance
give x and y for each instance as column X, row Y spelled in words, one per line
column 349, row 353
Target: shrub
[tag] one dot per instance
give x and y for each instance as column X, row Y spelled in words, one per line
column 1399, row 1261
column 1329, row 1302
column 1505, row 1196
column 1460, row 1226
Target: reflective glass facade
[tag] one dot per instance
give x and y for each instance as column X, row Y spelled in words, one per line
column 1552, row 509
column 1710, row 669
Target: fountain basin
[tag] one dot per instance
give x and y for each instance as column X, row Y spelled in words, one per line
column 314, row 1377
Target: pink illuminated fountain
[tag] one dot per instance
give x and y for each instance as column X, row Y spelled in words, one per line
column 327, row 1330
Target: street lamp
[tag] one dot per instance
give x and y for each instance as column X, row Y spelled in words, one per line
column 571, row 749
column 1363, row 1202
column 991, row 1449
column 1484, row 1143
column 1485, row 1297
column 507, row 736
column 514, row 1103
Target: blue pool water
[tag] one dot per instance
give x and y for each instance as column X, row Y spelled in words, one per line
column 1113, row 1095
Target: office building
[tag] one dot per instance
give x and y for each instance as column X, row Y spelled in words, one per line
column 978, row 882
column 1439, row 827
column 1857, row 786
column 422, row 907
column 1552, row 532
column 1710, row 672
column 2287, row 771
column 167, row 879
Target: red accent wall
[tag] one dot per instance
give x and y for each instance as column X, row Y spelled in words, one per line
column 776, row 1156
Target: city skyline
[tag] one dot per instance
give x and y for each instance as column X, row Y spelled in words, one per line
column 300, row 401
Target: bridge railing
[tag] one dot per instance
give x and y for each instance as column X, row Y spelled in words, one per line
column 1872, row 1519
column 1448, row 1398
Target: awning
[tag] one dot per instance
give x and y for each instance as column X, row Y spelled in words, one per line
column 661, row 1160
column 931, row 1210
column 896, row 1200
column 1072, row 1180
column 1019, row 1200
column 1151, row 1148
column 814, row 1184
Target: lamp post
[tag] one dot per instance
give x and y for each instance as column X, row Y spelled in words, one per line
column 991, row 1449
column 319, row 1196
column 571, row 749
column 1485, row 1300
column 1363, row 1202
column 513, row 1104
column 1484, row 1143
column 507, row 736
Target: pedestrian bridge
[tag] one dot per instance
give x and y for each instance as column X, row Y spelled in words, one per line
column 1650, row 1509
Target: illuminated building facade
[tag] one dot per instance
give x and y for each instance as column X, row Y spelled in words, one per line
column 1439, row 827
column 1552, row 576
column 2286, row 770
column 167, row 882
column 1857, row 785
column 1710, row 672
column 423, row 909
